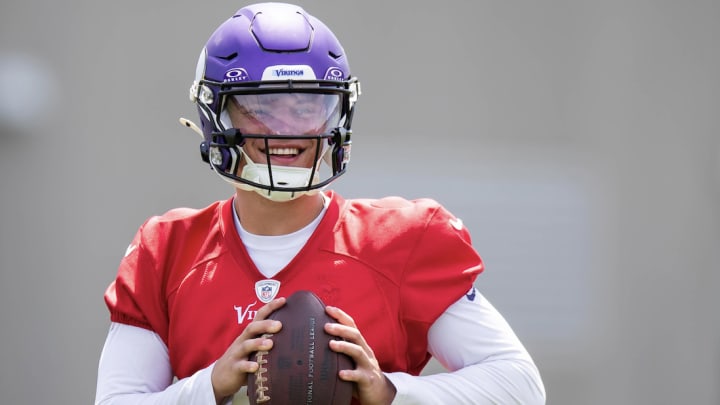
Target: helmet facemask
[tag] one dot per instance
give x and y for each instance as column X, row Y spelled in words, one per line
column 278, row 125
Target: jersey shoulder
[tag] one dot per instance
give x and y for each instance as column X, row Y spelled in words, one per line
column 182, row 216
column 398, row 229
column 165, row 248
column 180, row 223
column 398, row 215
column 179, row 238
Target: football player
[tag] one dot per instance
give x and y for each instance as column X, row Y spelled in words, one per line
column 192, row 295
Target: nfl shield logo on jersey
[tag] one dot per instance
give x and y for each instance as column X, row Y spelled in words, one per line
column 266, row 290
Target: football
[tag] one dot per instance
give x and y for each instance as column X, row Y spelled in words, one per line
column 300, row 368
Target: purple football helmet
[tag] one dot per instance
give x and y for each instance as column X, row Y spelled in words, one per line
column 264, row 53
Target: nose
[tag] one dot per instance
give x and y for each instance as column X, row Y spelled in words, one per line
column 282, row 123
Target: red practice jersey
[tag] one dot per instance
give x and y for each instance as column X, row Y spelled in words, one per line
column 393, row 265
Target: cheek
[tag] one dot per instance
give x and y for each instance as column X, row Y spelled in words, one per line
column 246, row 126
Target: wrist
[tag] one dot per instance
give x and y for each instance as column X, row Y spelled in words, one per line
column 390, row 391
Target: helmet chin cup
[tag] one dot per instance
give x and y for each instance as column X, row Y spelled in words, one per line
column 272, row 195
column 278, row 176
column 274, row 182
column 279, row 196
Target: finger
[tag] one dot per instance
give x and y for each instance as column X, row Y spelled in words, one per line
column 240, row 350
column 340, row 315
column 258, row 328
column 363, row 375
column 355, row 376
column 360, row 355
column 260, row 324
column 245, row 366
column 345, row 329
column 262, row 343
column 268, row 308
column 230, row 371
column 346, row 332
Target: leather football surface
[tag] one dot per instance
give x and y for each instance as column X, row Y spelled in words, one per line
column 300, row 368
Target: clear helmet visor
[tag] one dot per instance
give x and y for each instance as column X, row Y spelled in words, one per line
column 268, row 117
column 284, row 113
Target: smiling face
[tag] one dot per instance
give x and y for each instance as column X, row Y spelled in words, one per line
column 284, row 114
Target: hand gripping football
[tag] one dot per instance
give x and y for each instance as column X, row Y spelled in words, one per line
column 300, row 368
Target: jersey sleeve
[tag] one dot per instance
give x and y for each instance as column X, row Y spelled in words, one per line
column 136, row 296
column 441, row 268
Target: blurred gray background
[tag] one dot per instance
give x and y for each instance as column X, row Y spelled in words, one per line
column 578, row 140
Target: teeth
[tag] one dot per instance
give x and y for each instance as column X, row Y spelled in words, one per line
column 284, row 151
